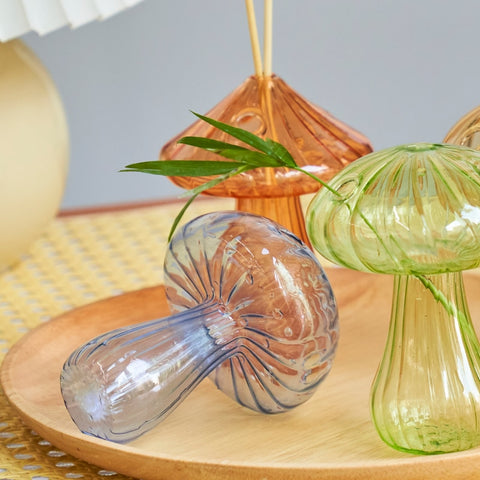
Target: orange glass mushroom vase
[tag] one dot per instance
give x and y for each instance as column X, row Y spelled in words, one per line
column 414, row 212
column 269, row 108
column 466, row 131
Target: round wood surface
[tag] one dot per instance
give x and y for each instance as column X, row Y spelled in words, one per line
column 209, row 436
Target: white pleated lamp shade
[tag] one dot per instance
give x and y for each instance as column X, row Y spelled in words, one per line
column 18, row 17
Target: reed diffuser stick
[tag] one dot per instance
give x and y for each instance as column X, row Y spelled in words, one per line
column 252, row 27
column 267, row 39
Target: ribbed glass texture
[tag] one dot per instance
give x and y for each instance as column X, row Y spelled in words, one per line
column 426, row 395
column 251, row 306
column 121, row 384
column 270, row 108
column 466, row 131
column 414, row 211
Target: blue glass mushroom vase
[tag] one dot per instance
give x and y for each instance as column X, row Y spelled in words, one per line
column 251, row 307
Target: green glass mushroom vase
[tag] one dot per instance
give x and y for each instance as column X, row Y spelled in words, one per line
column 413, row 211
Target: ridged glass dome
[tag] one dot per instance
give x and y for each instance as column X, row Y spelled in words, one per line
column 410, row 209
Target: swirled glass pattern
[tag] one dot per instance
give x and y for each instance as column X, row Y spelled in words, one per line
column 251, row 306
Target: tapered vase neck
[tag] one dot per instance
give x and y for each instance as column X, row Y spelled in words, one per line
column 109, row 378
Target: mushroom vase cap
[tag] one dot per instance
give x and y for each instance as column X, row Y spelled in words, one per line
column 270, row 108
column 284, row 314
column 411, row 209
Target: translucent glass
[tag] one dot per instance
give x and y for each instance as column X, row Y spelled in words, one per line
column 251, row 306
column 270, row 108
column 414, row 211
column 426, row 395
column 466, row 131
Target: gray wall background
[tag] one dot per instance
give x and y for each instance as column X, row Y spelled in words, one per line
column 398, row 71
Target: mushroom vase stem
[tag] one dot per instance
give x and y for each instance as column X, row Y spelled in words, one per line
column 413, row 211
column 121, row 384
column 251, row 307
column 426, row 394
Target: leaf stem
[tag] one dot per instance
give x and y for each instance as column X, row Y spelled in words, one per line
column 319, row 180
column 180, row 215
column 194, row 193
column 439, row 296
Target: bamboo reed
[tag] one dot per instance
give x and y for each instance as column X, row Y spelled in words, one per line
column 252, row 26
column 267, row 38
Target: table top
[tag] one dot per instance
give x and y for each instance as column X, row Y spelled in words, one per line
column 93, row 254
column 82, row 257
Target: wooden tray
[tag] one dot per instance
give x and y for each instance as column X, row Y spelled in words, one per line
column 209, row 436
